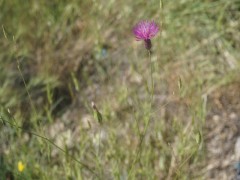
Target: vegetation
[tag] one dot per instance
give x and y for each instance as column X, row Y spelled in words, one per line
column 59, row 57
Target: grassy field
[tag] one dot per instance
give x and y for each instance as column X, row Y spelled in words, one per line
column 59, row 57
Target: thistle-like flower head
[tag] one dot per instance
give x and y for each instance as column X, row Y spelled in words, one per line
column 145, row 30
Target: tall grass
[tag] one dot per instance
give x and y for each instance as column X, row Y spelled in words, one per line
column 57, row 57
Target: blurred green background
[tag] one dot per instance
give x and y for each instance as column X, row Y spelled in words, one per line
column 56, row 57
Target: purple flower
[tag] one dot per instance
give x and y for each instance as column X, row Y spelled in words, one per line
column 145, row 30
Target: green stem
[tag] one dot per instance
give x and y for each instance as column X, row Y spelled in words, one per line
column 151, row 75
column 25, row 85
column 142, row 136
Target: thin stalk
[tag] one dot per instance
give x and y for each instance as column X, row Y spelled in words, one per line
column 151, row 75
column 25, row 84
column 99, row 159
column 142, row 136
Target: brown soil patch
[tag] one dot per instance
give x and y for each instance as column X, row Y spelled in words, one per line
column 222, row 131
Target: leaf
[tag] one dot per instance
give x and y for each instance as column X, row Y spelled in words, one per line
column 199, row 138
column 99, row 117
column 180, row 83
